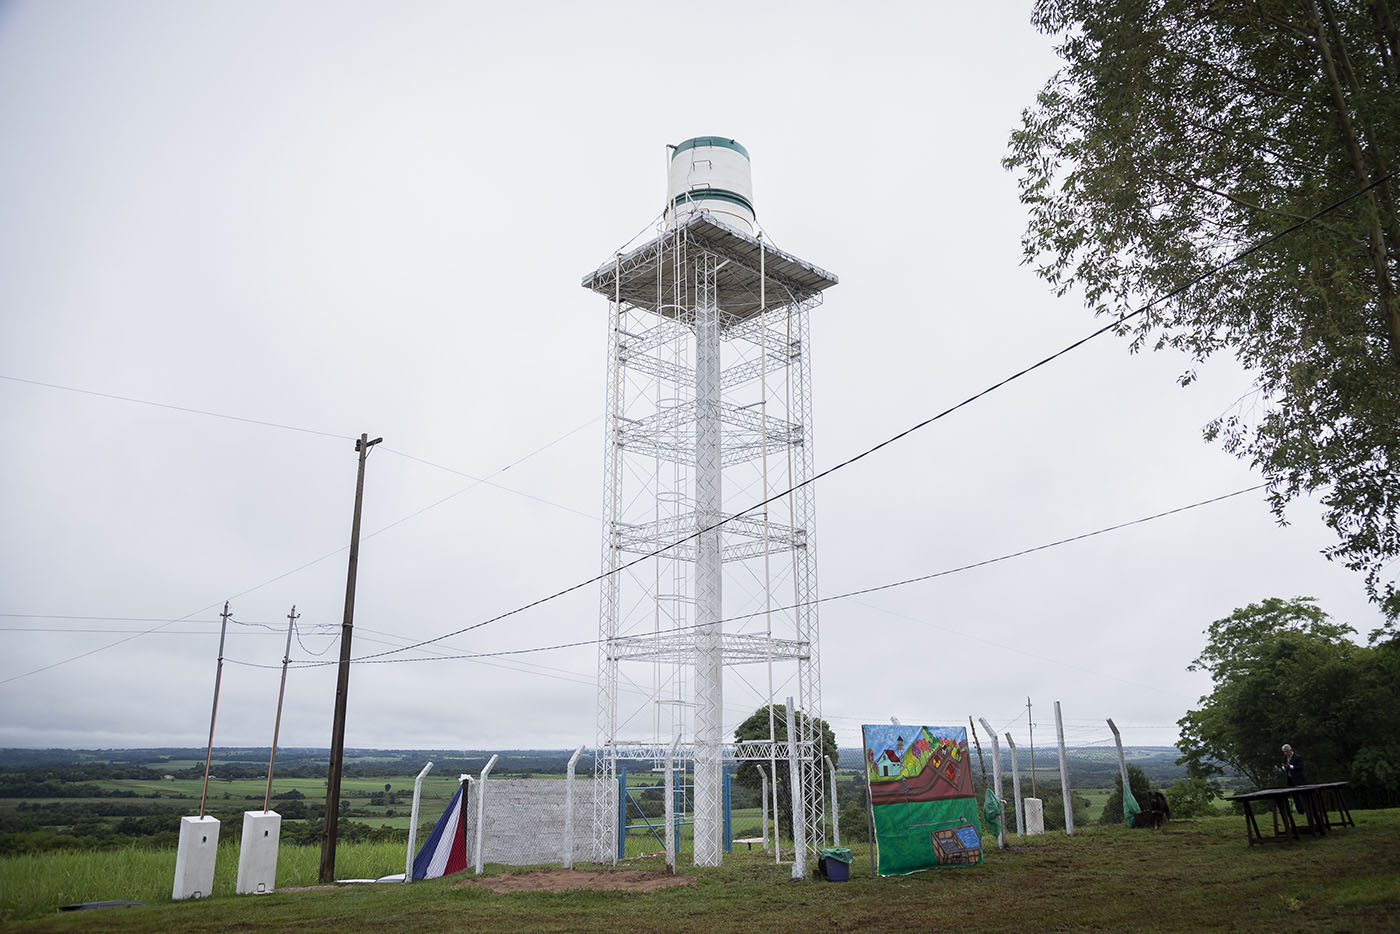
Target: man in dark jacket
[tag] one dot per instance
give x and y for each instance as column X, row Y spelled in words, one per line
column 1293, row 767
column 1293, row 773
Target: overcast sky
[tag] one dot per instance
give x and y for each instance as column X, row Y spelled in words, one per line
column 373, row 217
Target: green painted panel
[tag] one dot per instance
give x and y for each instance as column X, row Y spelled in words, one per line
column 719, row 141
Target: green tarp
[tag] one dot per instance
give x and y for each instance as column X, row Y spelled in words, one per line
column 1130, row 806
column 991, row 813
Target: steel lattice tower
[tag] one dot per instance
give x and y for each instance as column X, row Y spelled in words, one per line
column 708, row 414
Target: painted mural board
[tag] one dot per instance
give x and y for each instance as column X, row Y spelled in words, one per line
column 922, row 801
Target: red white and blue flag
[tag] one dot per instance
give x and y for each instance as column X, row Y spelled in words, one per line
column 445, row 851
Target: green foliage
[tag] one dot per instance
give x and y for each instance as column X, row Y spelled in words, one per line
column 756, row 728
column 1375, row 774
column 1283, row 672
column 1192, row 797
column 1140, row 787
column 1052, row 802
column 1176, row 133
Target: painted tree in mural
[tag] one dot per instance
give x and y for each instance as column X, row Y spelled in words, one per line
column 1178, row 132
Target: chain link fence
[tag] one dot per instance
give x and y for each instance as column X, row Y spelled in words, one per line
column 522, row 822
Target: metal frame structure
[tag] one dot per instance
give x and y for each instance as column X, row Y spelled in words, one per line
column 708, row 417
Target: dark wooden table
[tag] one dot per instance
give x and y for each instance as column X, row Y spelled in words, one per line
column 1315, row 806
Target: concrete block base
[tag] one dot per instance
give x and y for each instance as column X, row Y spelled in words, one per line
column 194, row 860
column 1035, row 816
column 257, row 854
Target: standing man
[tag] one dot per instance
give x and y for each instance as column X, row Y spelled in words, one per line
column 1293, row 767
column 1294, row 775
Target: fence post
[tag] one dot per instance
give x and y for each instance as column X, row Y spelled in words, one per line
column 1016, row 784
column 763, row 777
column 996, row 778
column 1122, row 762
column 413, row 823
column 799, row 817
column 728, row 812
column 622, row 813
column 481, row 813
column 835, row 810
column 671, row 806
column 569, row 810
column 1064, row 773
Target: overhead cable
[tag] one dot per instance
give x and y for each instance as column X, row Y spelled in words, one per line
column 1113, row 326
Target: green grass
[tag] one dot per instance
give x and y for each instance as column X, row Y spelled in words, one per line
column 1195, row 875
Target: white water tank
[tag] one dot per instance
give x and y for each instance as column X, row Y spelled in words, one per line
column 710, row 174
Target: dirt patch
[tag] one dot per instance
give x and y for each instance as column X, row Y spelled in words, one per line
column 564, row 880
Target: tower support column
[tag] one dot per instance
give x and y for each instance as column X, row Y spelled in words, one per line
column 709, row 501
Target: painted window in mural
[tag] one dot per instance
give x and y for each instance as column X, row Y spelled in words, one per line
column 924, row 807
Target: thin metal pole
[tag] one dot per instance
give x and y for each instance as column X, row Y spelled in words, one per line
column 214, row 712
column 1032, row 729
column 835, row 809
column 763, row 797
column 281, row 690
column 870, row 825
column 767, row 544
column 342, row 684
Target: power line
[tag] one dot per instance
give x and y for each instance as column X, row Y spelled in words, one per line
column 271, row 580
column 1115, row 325
column 380, row 659
column 1207, row 273
column 175, row 408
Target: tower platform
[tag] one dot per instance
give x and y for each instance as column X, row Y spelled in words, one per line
column 648, row 283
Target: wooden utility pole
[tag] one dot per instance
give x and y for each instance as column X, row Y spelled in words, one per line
column 342, row 683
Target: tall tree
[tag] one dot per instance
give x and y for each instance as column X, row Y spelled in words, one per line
column 756, row 728
column 1283, row 672
column 1179, row 131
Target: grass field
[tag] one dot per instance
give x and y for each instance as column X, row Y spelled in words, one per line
column 1195, row 875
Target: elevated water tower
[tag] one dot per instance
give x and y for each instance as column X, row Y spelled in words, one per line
column 708, row 414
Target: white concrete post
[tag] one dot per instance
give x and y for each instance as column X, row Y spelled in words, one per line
column 569, row 810
column 1064, row 772
column 481, row 813
column 1016, row 785
column 413, row 822
column 763, row 776
column 996, row 777
column 799, row 826
column 670, row 812
column 835, row 820
column 1122, row 762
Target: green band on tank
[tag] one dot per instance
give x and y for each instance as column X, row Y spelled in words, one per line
column 719, row 141
column 714, row 194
